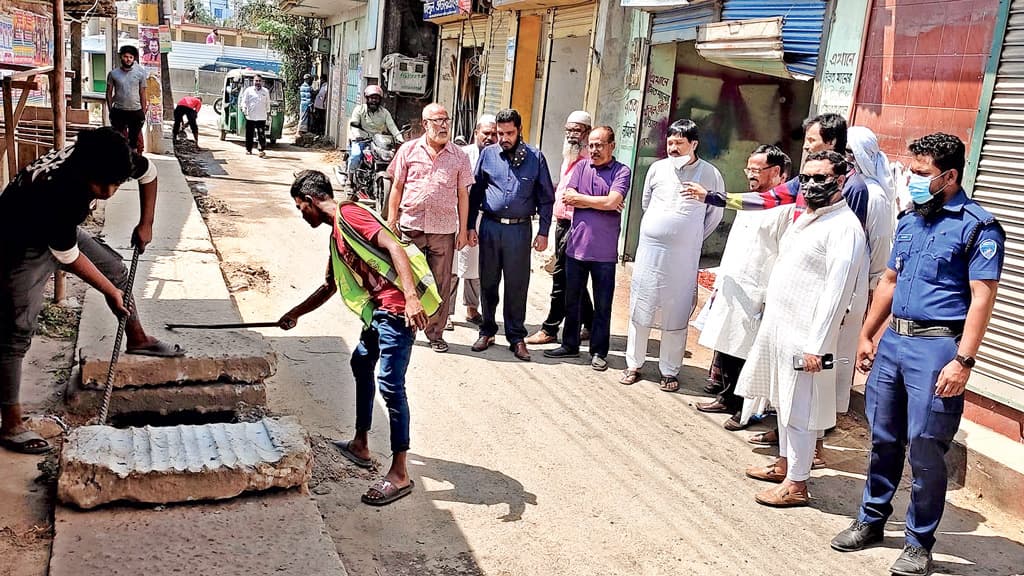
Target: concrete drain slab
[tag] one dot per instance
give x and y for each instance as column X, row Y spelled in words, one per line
column 281, row 534
column 160, row 465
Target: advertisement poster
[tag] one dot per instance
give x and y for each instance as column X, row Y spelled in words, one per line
column 165, row 38
column 149, row 45
column 24, row 37
column 842, row 59
column 6, row 39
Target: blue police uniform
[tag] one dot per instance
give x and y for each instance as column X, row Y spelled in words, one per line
column 935, row 260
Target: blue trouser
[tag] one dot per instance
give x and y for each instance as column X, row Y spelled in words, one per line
column 903, row 409
column 602, row 275
column 504, row 251
column 389, row 340
column 355, row 156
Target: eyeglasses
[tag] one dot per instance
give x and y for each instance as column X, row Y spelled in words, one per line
column 439, row 121
column 816, row 178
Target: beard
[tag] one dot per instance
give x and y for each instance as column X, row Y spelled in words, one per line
column 571, row 151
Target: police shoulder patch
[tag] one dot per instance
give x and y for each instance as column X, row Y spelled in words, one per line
column 988, row 248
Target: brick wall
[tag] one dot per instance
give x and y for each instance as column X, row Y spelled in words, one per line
column 924, row 65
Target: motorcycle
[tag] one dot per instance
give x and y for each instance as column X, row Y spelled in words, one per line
column 370, row 181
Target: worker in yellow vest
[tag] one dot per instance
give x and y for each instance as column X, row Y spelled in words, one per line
column 389, row 286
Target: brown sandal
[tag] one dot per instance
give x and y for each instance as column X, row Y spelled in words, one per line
column 629, row 377
column 769, row 438
column 669, row 384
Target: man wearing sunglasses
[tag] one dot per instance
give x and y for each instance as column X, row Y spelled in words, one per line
column 822, row 262
column 429, row 204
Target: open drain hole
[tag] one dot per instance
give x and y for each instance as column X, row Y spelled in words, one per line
column 187, row 418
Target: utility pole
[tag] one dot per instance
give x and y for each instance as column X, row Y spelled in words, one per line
column 149, row 16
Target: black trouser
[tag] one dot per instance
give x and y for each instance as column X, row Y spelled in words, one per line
column 259, row 128
column 182, row 112
column 558, row 285
column 129, row 123
column 602, row 274
column 725, row 370
column 504, row 250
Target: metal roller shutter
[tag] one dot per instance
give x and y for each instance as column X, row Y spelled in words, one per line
column 573, row 21
column 474, row 32
column 999, row 187
column 802, row 23
column 680, row 24
column 451, row 31
column 494, row 88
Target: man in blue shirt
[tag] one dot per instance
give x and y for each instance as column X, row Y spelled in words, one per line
column 512, row 184
column 940, row 288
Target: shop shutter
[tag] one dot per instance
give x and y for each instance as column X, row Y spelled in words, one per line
column 451, row 31
column 575, row 21
column 999, row 187
column 474, row 32
column 680, row 24
column 494, row 88
column 802, row 23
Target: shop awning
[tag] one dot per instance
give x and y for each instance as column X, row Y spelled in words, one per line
column 802, row 23
column 752, row 45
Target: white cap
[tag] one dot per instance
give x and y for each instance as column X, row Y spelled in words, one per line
column 487, row 119
column 581, row 117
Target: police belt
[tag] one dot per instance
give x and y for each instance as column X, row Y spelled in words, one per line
column 930, row 329
column 500, row 220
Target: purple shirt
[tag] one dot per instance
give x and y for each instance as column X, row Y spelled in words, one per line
column 594, row 235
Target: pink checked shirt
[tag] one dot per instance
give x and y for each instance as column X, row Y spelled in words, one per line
column 561, row 211
column 430, row 199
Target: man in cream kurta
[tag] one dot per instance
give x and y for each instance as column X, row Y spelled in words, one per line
column 822, row 258
column 672, row 231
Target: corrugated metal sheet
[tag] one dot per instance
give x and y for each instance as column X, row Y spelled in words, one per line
column 753, row 45
column 999, row 187
column 190, row 56
column 680, row 25
column 474, row 32
column 573, row 22
column 494, row 88
column 803, row 21
column 451, row 30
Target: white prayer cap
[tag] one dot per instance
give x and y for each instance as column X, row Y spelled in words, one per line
column 486, row 119
column 581, row 117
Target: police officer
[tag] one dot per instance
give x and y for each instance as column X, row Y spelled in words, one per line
column 940, row 287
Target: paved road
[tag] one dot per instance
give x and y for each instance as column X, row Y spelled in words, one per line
column 542, row 468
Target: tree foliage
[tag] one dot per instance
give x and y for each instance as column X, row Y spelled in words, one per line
column 196, row 11
column 291, row 35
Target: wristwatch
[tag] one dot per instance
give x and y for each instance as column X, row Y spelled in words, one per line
column 965, row 361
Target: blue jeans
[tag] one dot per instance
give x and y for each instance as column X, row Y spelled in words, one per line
column 903, row 410
column 602, row 275
column 355, row 156
column 390, row 341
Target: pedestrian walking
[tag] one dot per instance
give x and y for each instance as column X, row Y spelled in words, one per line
column 429, row 204
column 512, row 183
column 574, row 150
column 737, row 302
column 40, row 213
column 672, row 231
column 187, row 109
column 390, row 288
column 126, row 96
column 822, row 262
column 596, row 191
column 467, row 261
column 939, row 288
column 255, row 105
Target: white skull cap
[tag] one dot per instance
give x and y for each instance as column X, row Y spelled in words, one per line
column 487, row 119
column 581, row 117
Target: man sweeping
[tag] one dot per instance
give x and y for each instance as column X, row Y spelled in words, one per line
column 389, row 286
column 40, row 211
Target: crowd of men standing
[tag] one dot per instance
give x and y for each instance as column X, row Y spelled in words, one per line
column 789, row 318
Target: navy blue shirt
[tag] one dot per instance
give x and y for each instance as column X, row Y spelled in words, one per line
column 936, row 259
column 504, row 191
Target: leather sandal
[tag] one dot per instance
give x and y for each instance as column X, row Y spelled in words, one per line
column 770, row 473
column 783, row 497
column 629, row 377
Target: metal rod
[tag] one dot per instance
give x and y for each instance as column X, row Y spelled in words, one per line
column 223, row 326
column 121, row 323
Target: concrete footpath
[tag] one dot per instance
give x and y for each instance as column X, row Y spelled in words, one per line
column 179, row 280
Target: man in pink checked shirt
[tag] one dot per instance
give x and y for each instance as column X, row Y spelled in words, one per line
column 577, row 130
column 429, row 204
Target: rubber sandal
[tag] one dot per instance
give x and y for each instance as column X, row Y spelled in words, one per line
column 159, row 350
column 629, row 377
column 439, row 346
column 343, row 447
column 669, row 384
column 22, row 443
column 388, row 493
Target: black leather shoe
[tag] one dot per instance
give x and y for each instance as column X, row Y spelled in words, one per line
column 858, row 535
column 562, row 352
column 915, row 561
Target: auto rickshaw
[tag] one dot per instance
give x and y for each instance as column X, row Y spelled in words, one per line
column 232, row 120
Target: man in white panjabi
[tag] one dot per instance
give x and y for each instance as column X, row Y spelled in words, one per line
column 672, row 231
column 466, row 264
column 822, row 258
column 736, row 305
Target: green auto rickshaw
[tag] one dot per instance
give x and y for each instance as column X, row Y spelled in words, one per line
column 232, row 120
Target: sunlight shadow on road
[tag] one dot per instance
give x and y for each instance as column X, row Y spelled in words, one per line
column 473, row 485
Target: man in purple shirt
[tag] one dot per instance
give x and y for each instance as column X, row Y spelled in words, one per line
column 597, row 189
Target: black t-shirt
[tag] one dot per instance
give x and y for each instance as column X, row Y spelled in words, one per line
column 47, row 200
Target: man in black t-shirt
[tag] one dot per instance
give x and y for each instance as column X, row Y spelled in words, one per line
column 40, row 211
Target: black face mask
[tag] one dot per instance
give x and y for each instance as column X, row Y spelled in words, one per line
column 818, row 195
